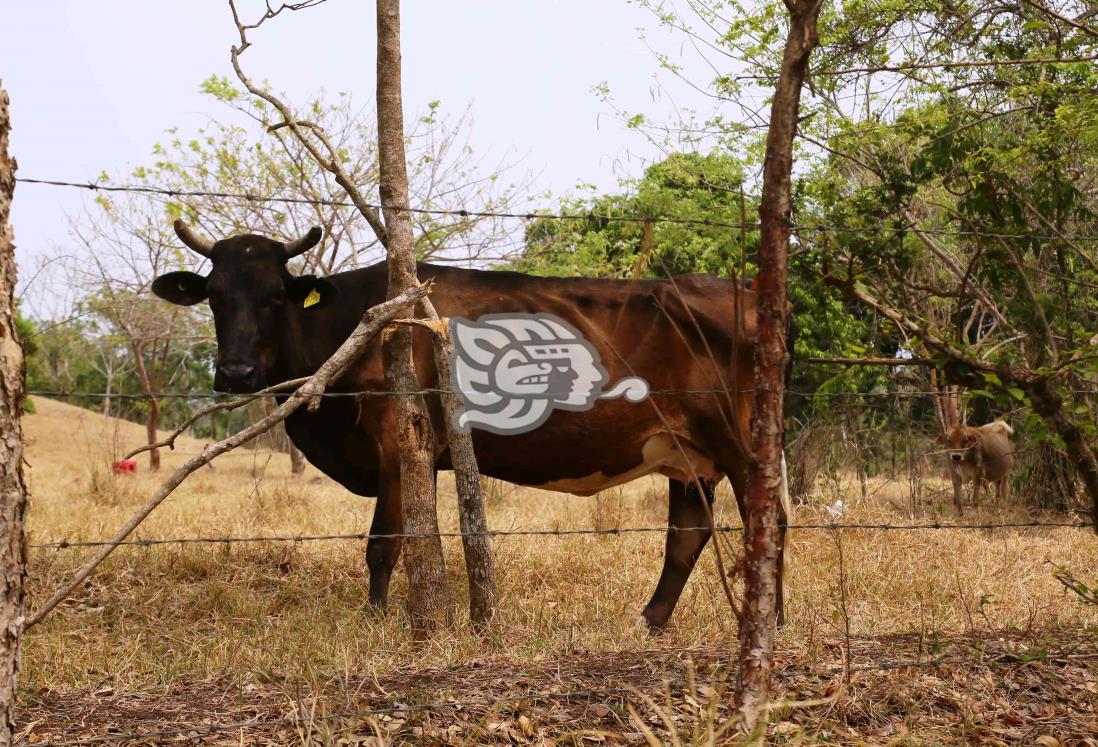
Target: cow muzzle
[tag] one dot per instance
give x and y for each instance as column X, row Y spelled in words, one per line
column 237, row 378
column 956, row 456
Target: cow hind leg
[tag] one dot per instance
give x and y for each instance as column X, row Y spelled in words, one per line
column 977, row 484
column 687, row 533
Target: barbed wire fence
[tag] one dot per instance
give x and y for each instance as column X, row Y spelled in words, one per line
column 348, row 718
column 533, row 696
column 623, row 695
column 549, row 215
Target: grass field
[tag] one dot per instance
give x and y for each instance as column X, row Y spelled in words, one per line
column 232, row 633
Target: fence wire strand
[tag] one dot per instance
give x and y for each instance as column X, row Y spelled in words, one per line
column 436, row 390
column 613, row 531
column 541, row 215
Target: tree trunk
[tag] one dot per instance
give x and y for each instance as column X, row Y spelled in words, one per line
column 762, row 538
column 151, row 422
column 1050, row 485
column 108, row 374
column 474, row 524
column 429, row 603
column 1048, row 403
column 297, row 459
column 13, row 491
column 153, row 417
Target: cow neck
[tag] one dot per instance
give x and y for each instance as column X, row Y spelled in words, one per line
column 307, row 341
column 311, row 336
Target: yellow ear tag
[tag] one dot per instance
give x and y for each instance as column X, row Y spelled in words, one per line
column 312, row 299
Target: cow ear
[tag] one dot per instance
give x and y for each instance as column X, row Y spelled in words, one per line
column 181, row 288
column 941, row 439
column 310, row 291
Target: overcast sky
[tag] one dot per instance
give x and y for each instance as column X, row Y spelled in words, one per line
column 94, row 85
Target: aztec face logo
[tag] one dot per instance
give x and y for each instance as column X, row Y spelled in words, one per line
column 512, row 370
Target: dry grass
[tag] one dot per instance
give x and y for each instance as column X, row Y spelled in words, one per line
column 276, row 625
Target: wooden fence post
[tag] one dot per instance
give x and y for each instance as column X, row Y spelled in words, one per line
column 429, row 602
column 13, row 490
column 763, row 538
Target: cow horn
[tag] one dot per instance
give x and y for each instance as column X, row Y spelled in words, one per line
column 197, row 243
column 305, row 243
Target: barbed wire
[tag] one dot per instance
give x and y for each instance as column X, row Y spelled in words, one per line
column 458, row 212
column 619, row 692
column 435, row 390
column 541, row 215
column 612, row 531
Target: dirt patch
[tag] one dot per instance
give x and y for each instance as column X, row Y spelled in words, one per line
column 994, row 688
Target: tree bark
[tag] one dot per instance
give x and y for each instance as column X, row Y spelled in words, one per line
column 13, row 490
column 763, row 538
column 429, row 603
column 151, row 422
column 153, row 418
column 1048, row 403
column 297, row 459
column 477, row 545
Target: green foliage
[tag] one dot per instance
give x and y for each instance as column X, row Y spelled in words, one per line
column 684, row 187
column 91, row 354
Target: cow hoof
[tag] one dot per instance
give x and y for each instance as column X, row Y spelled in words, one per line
column 648, row 626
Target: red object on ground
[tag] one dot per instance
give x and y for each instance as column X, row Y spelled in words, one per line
column 124, row 467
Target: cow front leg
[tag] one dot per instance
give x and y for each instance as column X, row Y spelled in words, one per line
column 382, row 552
column 687, row 533
column 976, row 485
column 958, row 489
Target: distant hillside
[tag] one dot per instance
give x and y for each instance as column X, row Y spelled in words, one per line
column 63, row 437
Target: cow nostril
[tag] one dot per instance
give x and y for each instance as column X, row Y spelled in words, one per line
column 236, row 371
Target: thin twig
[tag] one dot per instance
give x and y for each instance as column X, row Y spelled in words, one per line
column 234, row 404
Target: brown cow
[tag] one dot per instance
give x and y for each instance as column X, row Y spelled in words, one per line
column 679, row 335
column 978, row 454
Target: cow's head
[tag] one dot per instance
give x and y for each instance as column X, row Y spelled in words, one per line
column 958, row 440
column 250, row 293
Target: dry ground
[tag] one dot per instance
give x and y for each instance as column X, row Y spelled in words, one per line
column 187, row 635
